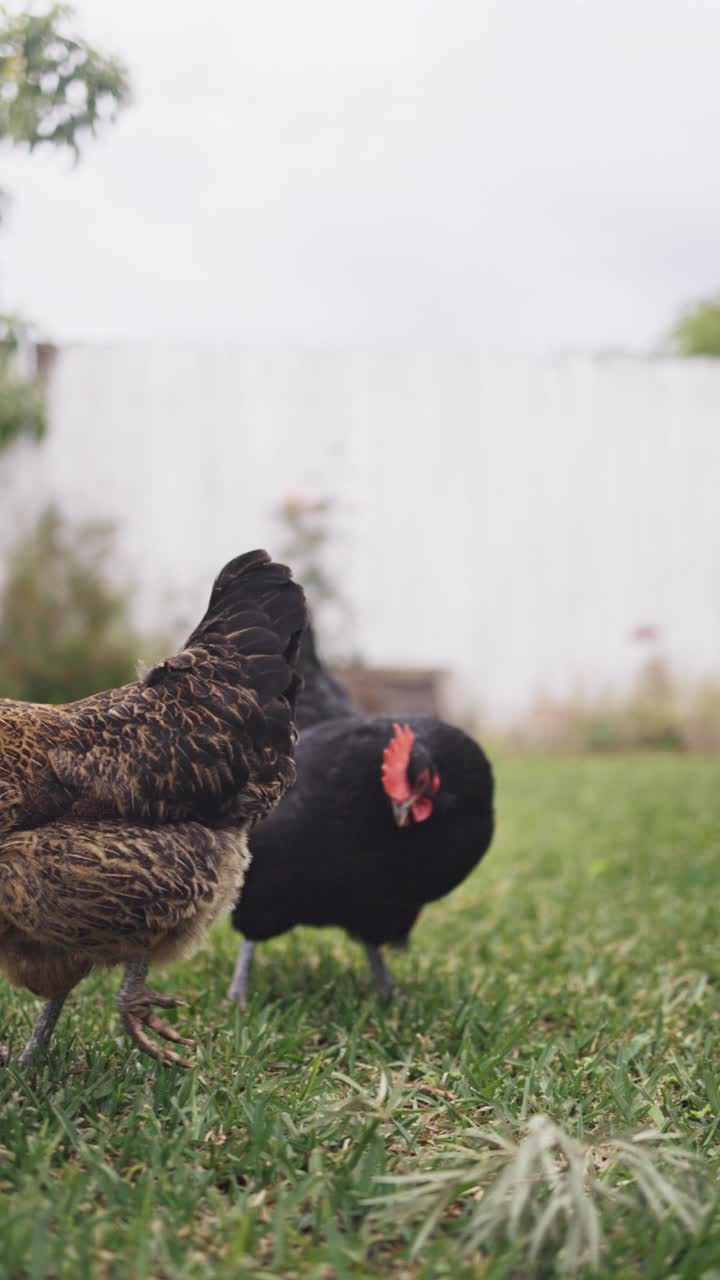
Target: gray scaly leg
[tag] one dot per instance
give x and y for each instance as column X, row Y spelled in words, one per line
column 43, row 1029
column 135, row 1004
column 241, row 976
column 378, row 968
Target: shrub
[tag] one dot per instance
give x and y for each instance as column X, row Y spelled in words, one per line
column 65, row 626
column 657, row 714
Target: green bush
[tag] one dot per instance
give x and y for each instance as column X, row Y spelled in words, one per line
column 22, row 408
column 65, row 626
column 22, row 411
column 698, row 333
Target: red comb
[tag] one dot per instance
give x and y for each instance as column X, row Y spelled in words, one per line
column 396, row 758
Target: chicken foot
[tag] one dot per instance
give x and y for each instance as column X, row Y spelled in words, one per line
column 135, row 1004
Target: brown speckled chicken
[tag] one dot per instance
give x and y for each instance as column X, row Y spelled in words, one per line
column 123, row 817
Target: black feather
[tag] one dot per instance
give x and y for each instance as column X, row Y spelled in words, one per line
column 322, row 696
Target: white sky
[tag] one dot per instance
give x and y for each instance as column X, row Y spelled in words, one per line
column 524, row 175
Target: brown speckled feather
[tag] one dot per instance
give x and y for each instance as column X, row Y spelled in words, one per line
column 206, row 736
column 108, row 891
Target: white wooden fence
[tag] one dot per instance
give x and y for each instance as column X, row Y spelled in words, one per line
column 512, row 521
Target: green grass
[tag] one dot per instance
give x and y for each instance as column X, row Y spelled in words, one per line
column 575, row 975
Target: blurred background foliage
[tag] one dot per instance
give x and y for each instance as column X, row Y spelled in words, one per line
column 65, row 622
column 22, row 409
column 658, row 713
column 56, row 89
column 698, row 332
column 309, row 536
column 54, row 86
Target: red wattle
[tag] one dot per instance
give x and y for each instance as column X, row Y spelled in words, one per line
column 421, row 809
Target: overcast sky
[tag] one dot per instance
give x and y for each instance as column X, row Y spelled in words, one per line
column 524, row 175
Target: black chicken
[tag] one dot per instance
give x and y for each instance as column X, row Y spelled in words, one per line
column 383, row 818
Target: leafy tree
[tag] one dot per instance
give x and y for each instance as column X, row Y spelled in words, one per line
column 65, row 628
column 54, row 88
column 698, row 332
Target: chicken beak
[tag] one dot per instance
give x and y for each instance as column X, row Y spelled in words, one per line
column 401, row 811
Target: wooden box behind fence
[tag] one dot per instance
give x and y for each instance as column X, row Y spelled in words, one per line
column 396, row 690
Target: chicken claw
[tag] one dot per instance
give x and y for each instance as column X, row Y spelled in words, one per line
column 135, row 1004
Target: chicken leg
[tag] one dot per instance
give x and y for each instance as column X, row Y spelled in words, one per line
column 378, row 969
column 43, row 1029
column 135, row 1004
column 241, row 976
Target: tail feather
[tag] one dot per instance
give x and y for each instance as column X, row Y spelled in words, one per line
column 251, row 592
column 208, row 734
column 250, row 632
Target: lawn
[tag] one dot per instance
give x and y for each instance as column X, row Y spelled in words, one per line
column 575, row 976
